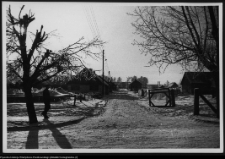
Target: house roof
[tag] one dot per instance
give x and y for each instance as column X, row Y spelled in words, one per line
column 173, row 85
column 88, row 75
column 198, row 77
column 135, row 81
column 101, row 80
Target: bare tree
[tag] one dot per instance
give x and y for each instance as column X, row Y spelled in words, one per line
column 184, row 35
column 38, row 64
column 177, row 35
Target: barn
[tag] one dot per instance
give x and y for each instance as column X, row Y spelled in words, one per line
column 202, row 80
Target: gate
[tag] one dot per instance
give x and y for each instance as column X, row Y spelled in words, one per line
column 198, row 94
column 169, row 93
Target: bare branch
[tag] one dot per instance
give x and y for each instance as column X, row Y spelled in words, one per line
column 174, row 35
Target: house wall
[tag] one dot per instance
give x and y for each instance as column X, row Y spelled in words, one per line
column 73, row 88
column 106, row 89
column 186, row 87
column 135, row 86
column 94, row 88
column 204, row 88
column 84, row 88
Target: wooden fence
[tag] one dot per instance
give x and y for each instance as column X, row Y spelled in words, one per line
column 198, row 94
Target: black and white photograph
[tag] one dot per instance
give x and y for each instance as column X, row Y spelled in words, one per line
column 110, row 77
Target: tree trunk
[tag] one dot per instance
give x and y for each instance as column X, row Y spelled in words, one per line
column 30, row 105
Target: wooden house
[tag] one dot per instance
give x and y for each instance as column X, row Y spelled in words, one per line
column 201, row 80
column 135, row 85
column 87, row 81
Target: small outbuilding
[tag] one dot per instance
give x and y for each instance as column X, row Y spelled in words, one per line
column 135, row 85
column 173, row 85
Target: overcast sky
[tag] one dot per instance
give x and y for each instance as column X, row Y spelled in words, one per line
column 72, row 21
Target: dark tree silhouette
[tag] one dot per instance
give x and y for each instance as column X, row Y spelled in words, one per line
column 133, row 78
column 38, row 64
column 119, row 79
column 144, row 81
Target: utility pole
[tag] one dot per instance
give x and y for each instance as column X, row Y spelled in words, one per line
column 103, row 86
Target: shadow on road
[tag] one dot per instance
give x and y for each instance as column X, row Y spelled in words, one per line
column 59, row 137
column 32, row 139
column 42, row 127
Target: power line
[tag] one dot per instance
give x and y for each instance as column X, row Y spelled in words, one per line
column 90, row 15
column 90, row 22
column 95, row 22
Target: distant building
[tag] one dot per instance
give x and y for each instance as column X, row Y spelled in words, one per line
column 135, row 85
column 176, row 88
column 122, row 85
column 152, row 86
column 173, row 85
column 201, row 80
column 112, row 86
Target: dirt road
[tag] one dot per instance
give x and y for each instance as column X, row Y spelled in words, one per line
column 124, row 124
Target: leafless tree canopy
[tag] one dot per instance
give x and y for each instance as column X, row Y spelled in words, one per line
column 37, row 63
column 178, row 35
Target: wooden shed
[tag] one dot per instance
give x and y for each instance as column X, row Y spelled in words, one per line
column 135, row 85
column 201, row 80
column 173, row 85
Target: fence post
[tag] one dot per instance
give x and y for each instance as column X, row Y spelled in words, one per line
column 149, row 98
column 75, row 98
column 172, row 97
column 196, row 101
column 80, row 96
